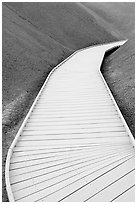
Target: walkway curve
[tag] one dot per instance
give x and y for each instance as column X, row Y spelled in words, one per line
column 74, row 144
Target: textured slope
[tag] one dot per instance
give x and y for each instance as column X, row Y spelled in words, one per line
column 67, row 23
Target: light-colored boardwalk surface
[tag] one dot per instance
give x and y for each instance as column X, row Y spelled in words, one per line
column 75, row 146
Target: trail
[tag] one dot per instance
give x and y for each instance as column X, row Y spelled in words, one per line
column 74, row 144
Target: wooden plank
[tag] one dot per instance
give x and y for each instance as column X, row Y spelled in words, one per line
column 74, row 118
column 42, row 185
column 114, row 190
column 105, row 109
column 73, row 122
column 46, row 143
column 71, row 113
column 47, row 168
column 22, row 168
column 62, row 151
column 45, row 158
column 75, row 95
column 56, row 192
column 92, row 189
column 72, row 100
column 85, row 91
column 53, row 109
column 73, row 154
column 127, row 196
column 58, row 174
column 67, row 127
column 103, row 145
column 74, row 137
column 60, row 115
column 75, row 92
column 76, row 101
column 80, row 104
column 86, row 104
column 77, row 131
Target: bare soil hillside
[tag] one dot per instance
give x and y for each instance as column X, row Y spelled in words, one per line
column 67, row 23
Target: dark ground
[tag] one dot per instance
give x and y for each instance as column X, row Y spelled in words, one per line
column 121, row 82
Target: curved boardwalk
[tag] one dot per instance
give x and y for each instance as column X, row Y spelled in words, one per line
column 74, row 145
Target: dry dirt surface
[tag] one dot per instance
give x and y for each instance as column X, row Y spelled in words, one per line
column 37, row 36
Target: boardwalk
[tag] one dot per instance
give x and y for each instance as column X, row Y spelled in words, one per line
column 74, row 144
